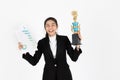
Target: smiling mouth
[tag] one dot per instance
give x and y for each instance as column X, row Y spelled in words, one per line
column 51, row 31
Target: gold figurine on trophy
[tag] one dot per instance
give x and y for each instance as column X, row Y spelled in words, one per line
column 76, row 36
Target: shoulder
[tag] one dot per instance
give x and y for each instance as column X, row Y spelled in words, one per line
column 41, row 40
column 62, row 37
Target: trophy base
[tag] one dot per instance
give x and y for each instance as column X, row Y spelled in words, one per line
column 75, row 39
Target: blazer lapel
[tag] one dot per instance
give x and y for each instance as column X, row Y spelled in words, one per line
column 48, row 47
column 58, row 45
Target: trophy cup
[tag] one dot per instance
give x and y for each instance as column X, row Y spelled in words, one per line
column 75, row 28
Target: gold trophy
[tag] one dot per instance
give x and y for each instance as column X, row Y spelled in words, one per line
column 75, row 28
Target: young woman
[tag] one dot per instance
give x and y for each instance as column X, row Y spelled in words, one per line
column 54, row 48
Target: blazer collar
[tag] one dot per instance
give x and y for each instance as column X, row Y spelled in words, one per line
column 48, row 46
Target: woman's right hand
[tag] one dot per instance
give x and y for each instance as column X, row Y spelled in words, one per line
column 20, row 45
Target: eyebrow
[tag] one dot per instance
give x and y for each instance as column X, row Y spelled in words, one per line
column 52, row 23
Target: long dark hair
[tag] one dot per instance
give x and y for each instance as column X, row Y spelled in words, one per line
column 50, row 18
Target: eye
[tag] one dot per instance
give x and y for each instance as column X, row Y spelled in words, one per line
column 53, row 24
column 47, row 25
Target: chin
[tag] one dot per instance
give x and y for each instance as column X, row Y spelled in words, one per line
column 51, row 34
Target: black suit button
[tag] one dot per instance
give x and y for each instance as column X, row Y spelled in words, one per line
column 55, row 65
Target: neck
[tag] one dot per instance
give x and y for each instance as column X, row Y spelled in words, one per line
column 52, row 35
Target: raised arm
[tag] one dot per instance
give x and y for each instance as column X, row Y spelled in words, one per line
column 73, row 53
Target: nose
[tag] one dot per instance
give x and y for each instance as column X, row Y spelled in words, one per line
column 50, row 27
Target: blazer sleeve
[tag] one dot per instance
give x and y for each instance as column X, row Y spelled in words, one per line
column 33, row 60
column 73, row 53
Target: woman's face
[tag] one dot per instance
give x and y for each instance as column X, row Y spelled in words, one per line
column 51, row 27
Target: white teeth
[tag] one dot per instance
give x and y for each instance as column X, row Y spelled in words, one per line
column 51, row 31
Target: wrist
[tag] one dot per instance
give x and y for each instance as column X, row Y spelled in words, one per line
column 77, row 47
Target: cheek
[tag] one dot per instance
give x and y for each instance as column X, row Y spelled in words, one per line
column 55, row 28
column 46, row 29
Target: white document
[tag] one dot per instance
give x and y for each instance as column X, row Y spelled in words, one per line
column 24, row 36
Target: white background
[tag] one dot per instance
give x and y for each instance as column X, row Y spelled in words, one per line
column 99, row 27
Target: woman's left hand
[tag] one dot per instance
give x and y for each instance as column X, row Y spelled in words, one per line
column 78, row 47
column 79, row 35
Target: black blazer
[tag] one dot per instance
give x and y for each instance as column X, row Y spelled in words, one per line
column 55, row 68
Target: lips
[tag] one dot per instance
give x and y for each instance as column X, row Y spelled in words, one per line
column 51, row 31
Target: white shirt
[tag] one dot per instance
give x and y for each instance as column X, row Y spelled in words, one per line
column 53, row 44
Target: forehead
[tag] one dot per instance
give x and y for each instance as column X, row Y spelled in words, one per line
column 50, row 22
